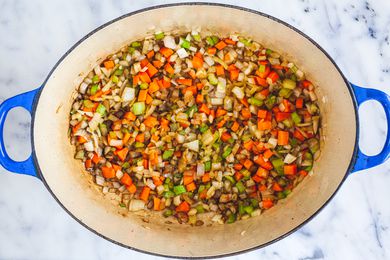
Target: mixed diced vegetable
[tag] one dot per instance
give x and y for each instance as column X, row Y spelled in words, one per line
column 192, row 124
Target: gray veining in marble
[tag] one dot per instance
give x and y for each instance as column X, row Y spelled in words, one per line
column 35, row 34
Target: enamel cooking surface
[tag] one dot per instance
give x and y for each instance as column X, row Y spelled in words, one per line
column 74, row 188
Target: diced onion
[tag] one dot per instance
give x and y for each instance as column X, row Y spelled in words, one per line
column 289, row 158
column 200, row 169
column 128, row 94
column 194, row 145
column 238, row 92
column 169, row 42
column 136, row 205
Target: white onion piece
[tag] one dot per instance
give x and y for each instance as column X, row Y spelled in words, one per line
column 194, row 145
column 169, row 42
column 83, row 87
column 100, row 180
column 200, row 169
column 182, row 53
column 115, row 142
column 128, row 94
column 89, row 146
column 238, row 92
column 136, row 205
column 289, row 158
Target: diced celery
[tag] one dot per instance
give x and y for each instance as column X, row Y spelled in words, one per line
column 210, row 41
column 296, row 118
column 168, row 194
column 226, row 152
column 268, row 51
column 88, row 103
column 186, row 44
column 230, row 178
column 207, row 166
column 95, row 79
column 167, row 154
column 203, row 128
column 231, row 219
column 270, row 102
column 240, row 187
column 212, row 79
column 262, row 68
column 144, row 85
column 125, row 165
column 135, row 44
column 289, row 83
column 248, row 209
column 168, row 213
column 138, row 108
column 288, row 123
column 159, row 36
column 254, row 203
column 114, row 79
column 196, row 37
column 255, row 101
column 278, row 165
column 118, row 72
column 285, row 92
column 101, row 110
column 199, row 208
column 139, row 145
column 94, row 89
column 179, row 189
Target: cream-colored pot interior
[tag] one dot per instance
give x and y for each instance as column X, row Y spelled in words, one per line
column 75, row 191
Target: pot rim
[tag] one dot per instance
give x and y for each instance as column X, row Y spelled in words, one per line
column 347, row 83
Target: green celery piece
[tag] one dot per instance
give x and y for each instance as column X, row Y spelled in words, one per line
column 168, row 213
column 207, row 166
column 94, row 89
column 248, row 209
column 135, row 44
column 186, row 44
column 270, row 102
column 179, row 189
column 255, row 101
column 285, row 92
column 114, row 79
column 168, row 194
column 203, row 128
column 159, row 36
column 240, row 187
column 230, row 178
column 167, row 154
column 101, row 110
column 88, row 103
column 231, row 219
column 138, row 108
column 197, row 37
column 144, row 85
column 296, row 118
column 289, row 84
column 210, row 41
column 278, row 165
column 95, row 79
column 226, row 152
column 139, row 145
column 118, row 72
column 199, row 209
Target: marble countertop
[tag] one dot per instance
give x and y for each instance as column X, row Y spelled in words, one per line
column 35, row 34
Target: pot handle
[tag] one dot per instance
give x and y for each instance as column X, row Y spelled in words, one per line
column 362, row 95
column 25, row 100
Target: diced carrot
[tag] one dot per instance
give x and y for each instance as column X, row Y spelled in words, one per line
column 290, row 169
column 132, row 188
column 267, row 204
column 190, row 187
column 129, row 116
column 273, row 76
column 306, row 84
column 164, row 123
column 219, row 70
column 108, row 172
column 187, row 82
column 220, row 112
column 126, row 179
column 220, row 45
column 204, row 109
column 237, row 166
column 260, row 161
column 156, row 203
column 265, row 92
column 234, row 74
column 248, row 145
column 144, row 195
column 283, row 137
column 157, row 181
column 95, row 158
column 191, row 89
column 246, row 114
column 302, row 173
column 183, row 207
column 192, row 74
column 229, row 41
column 157, row 63
column 225, row 136
column 166, row 52
column 140, row 138
column 232, row 67
column 199, row 85
column 221, row 123
column 142, row 94
column 76, row 128
column 277, row 67
column 298, row 135
column 199, row 99
column 244, row 101
column 81, row 139
column 144, row 62
column 263, row 173
column 187, row 179
column 281, row 116
column 299, row 103
column 136, row 80
column 109, row 64
column 262, row 113
column 227, row 57
column 238, row 175
column 149, row 99
column 153, row 87
column 261, row 82
column 88, row 163
column 197, row 62
column 287, row 105
column 211, row 51
column 144, row 77
column 248, row 164
column 206, row 177
column 122, row 154
column 257, row 178
column 264, row 125
column 177, row 154
column 150, row 121
column 168, row 68
column 116, row 167
column 276, row 187
column 235, row 126
column 165, row 83
column 265, row 73
column 262, row 187
column 150, row 54
column 268, row 154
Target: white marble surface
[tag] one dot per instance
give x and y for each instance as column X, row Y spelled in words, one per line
column 34, row 35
